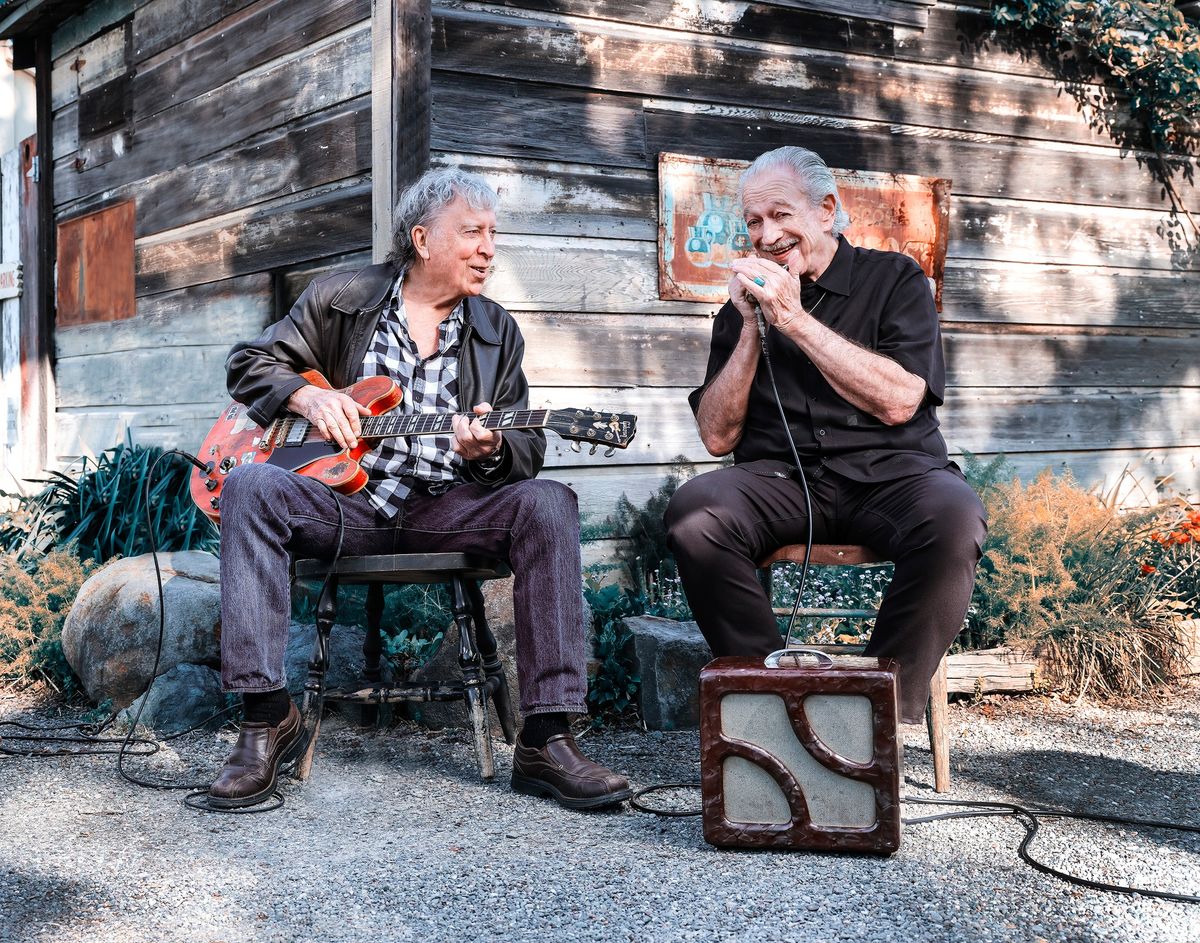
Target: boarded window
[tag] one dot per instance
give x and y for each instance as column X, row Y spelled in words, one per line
column 95, row 267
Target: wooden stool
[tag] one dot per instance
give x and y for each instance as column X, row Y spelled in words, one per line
column 855, row 555
column 482, row 674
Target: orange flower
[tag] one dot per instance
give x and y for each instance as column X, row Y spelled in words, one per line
column 1147, row 569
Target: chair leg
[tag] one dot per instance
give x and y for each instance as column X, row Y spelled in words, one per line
column 492, row 668
column 314, row 686
column 372, row 650
column 939, row 738
column 474, row 684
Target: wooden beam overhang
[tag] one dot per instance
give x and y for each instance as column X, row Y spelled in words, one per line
column 23, row 21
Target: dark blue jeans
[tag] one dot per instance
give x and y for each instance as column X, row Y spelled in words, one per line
column 269, row 515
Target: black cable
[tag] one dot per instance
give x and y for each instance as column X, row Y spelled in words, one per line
column 1029, row 816
column 89, row 733
column 808, row 540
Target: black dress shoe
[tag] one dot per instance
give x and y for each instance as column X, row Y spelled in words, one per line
column 248, row 776
column 559, row 770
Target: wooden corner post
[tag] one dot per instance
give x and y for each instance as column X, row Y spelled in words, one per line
column 400, row 77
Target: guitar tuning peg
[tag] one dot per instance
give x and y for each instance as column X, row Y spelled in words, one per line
column 610, row 452
column 576, row 447
column 592, row 450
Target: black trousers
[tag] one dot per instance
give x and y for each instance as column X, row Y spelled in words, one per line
column 931, row 525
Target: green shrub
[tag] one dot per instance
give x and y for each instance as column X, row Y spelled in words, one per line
column 34, row 603
column 415, row 617
column 100, row 511
column 614, row 683
column 644, row 552
column 1062, row 572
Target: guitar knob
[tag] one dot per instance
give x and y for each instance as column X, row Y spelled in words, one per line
column 215, row 503
column 210, row 484
column 228, row 463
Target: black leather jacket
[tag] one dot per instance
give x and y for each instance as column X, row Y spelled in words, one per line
column 329, row 328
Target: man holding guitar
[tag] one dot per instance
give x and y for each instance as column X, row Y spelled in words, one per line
column 418, row 319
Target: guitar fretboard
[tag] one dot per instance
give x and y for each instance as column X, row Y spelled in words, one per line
column 406, row 424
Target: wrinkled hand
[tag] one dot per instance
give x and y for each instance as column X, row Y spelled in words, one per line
column 779, row 293
column 742, row 300
column 471, row 440
column 334, row 414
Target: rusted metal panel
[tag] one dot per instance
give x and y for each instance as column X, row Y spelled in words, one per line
column 95, row 266
column 701, row 230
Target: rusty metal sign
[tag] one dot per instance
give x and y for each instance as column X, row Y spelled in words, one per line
column 701, row 230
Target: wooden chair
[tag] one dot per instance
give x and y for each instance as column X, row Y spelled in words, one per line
column 855, row 555
column 482, row 674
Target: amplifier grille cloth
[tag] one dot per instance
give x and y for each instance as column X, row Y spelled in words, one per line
column 841, row 721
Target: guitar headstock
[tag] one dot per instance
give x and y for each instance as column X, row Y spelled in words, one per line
column 611, row 430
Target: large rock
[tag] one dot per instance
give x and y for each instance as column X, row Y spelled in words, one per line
column 669, row 657
column 179, row 699
column 110, row 635
column 498, row 604
column 345, row 656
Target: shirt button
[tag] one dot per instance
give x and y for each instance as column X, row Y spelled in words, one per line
column 820, row 432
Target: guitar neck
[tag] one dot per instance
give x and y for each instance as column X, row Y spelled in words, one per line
column 417, row 424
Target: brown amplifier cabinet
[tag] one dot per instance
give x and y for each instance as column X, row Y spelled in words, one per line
column 800, row 756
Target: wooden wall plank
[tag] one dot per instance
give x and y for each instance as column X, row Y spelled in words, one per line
column 64, row 82
column 215, row 313
column 625, row 350
column 131, row 378
column 332, row 71
column 102, row 59
column 315, row 150
column 90, row 431
column 1012, row 293
column 978, row 164
column 237, row 44
column 91, row 20
column 477, row 116
column 979, row 420
column 817, row 27
column 283, row 232
column 594, row 54
column 66, row 131
column 161, row 24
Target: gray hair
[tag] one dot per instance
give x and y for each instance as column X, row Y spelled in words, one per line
column 813, row 175
column 422, row 202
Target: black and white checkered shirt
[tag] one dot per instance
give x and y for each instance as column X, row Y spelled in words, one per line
column 429, row 385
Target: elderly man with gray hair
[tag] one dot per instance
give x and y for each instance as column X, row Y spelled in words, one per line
column 854, row 341
column 421, row 319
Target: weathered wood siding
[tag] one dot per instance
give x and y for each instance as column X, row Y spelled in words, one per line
column 1071, row 329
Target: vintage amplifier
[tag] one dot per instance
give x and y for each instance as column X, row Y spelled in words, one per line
column 799, row 751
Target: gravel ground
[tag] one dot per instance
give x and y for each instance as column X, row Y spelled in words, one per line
column 395, row 839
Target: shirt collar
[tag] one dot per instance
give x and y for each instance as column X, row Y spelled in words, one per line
column 836, row 277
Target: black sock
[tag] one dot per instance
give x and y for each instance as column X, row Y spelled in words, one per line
column 266, row 707
column 539, row 728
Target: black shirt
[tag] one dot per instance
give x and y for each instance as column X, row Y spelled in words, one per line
column 882, row 301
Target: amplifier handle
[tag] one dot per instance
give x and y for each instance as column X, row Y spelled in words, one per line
column 798, row 658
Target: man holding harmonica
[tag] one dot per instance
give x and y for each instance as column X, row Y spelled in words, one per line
column 853, row 337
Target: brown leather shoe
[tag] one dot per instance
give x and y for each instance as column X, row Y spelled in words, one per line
column 558, row 769
column 248, row 776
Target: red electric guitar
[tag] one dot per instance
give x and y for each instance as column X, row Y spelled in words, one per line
column 291, row 442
